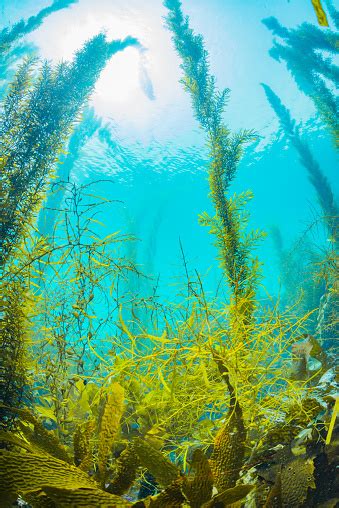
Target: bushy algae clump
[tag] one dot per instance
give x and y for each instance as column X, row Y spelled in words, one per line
column 205, row 403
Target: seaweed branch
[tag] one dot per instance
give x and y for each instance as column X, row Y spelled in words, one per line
column 225, row 153
column 302, row 49
column 22, row 28
column 36, row 121
column 316, row 176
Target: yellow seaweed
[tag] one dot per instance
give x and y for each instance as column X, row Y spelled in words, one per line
column 332, row 422
column 321, row 14
column 84, row 498
column 108, row 425
column 159, row 466
column 199, row 489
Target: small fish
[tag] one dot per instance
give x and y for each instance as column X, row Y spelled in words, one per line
column 303, row 348
column 144, row 78
column 321, row 15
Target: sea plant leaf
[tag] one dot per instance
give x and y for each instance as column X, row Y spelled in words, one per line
column 154, row 461
column 296, row 478
column 23, row 473
column 112, row 409
column 229, row 496
column 42, row 439
column 9, row 437
column 199, row 489
column 84, row 498
column 126, row 469
column 171, row 497
column 83, row 445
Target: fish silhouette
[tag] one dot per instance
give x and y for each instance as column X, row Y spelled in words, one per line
column 144, row 78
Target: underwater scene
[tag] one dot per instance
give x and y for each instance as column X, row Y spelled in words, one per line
column 169, row 253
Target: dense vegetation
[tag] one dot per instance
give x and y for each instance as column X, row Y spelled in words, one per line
column 109, row 399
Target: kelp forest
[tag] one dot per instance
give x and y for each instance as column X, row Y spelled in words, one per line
column 114, row 393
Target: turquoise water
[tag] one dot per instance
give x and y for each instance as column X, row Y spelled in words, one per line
column 156, row 154
column 141, row 355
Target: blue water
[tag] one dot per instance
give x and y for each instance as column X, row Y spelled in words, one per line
column 155, row 153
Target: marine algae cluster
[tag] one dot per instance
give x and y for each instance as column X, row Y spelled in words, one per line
column 198, row 403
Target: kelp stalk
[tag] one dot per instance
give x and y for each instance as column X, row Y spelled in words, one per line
column 316, row 176
column 36, row 121
column 225, row 152
column 10, row 35
column 302, row 50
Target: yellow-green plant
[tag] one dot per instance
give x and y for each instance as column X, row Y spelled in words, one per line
column 36, row 118
column 39, row 469
column 75, row 280
column 229, row 222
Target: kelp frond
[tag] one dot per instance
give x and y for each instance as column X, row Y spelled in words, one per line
column 10, row 35
column 302, row 50
column 35, row 123
column 316, row 175
column 226, row 150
